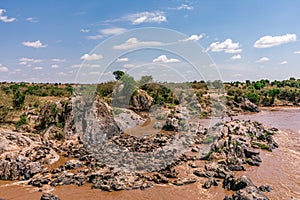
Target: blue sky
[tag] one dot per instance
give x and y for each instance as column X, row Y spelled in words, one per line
column 48, row 41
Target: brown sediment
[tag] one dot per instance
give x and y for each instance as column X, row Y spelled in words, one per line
column 14, row 191
column 279, row 169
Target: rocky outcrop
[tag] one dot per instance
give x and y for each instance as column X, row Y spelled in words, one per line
column 245, row 189
column 240, row 105
column 126, row 118
column 124, row 161
column 247, row 105
column 94, row 123
column 140, row 101
column 238, row 143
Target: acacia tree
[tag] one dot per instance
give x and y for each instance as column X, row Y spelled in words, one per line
column 118, row 74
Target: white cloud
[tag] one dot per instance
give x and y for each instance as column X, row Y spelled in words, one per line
column 165, row 59
column 122, row 60
column 86, row 65
column 91, row 57
column 54, row 66
column 62, row 74
column 128, row 65
column 112, row 31
column 284, row 62
column 32, row 19
column 3, row 68
column 38, row 68
column 94, row 73
column 296, row 52
column 236, row 57
column 182, row 7
column 147, row 17
column 227, row 46
column 4, row 18
column 237, row 75
column 194, row 38
column 94, row 37
column 25, row 61
column 58, row 60
column 135, row 43
column 262, row 59
column 35, row 44
column 271, row 41
column 84, row 30
column 107, row 32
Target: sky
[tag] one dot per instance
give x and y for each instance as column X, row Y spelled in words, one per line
column 64, row 41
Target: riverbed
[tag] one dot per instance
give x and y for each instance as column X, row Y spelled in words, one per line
column 279, row 168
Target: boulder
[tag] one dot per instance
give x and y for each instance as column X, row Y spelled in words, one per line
column 140, row 101
column 49, row 196
column 185, row 181
column 73, row 164
column 210, row 182
column 247, row 105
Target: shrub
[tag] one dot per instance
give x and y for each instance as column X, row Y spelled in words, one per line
column 18, row 100
column 23, row 120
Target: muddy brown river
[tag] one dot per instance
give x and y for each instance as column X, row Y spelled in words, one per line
column 280, row 169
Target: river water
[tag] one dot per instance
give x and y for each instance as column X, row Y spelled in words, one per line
column 279, row 168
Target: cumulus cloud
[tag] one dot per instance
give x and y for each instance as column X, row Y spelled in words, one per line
column 194, row 38
column 135, row 43
column 32, row 19
column 147, row 17
column 284, row 62
column 38, row 68
column 107, row 32
column 94, row 73
column 3, row 68
column 122, row 60
column 86, row 65
column 262, row 59
column 182, row 7
column 91, row 57
column 227, row 46
column 36, row 44
column 165, row 59
column 271, row 41
column 112, row 31
column 54, row 66
column 62, row 74
column 128, row 65
column 296, row 52
column 25, row 61
column 94, row 37
column 236, row 57
column 4, row 18
column 84, row 30
column 58, row 60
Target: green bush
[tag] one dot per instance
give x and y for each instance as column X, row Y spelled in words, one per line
column 253, row 97
column 23, row 120
column 18, row 100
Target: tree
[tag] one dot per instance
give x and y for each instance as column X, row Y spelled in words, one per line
column 118, row 74
column 18, row 100
column 253, row 97
column 125, row 88
column 145, row 79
